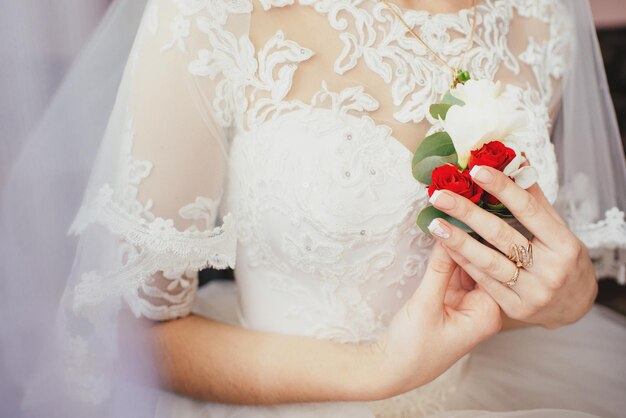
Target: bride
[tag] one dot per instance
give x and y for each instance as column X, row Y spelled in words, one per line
column 276, row 137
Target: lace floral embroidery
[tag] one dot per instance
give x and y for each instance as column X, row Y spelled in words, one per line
column 149, row 244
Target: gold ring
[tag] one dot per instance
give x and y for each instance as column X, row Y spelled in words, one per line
column 513, row 280
column 522, row 256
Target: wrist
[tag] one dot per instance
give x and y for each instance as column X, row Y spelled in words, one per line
column 510, row 323
column 381, row 376
column 366, row 379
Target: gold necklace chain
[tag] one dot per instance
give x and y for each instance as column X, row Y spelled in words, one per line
column 459, row 75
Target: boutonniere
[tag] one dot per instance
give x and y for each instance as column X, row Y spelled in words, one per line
column 481, row 127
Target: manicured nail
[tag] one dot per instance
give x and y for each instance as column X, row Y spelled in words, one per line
column 442, row 200
column 437, row 228
column 483, row 176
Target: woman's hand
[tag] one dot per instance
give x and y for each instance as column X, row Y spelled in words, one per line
column 439, row 324
column 560, row 286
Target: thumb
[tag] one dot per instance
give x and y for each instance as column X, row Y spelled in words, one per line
column 437, row 277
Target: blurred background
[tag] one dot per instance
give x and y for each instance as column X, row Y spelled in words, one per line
column 41, row 38
column 610, row 16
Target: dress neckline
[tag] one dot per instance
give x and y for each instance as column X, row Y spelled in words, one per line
column 405, row 11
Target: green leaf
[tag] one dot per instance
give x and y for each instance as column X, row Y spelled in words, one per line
column 499, row 210
column 499, row 206
column 448, row 98
column 463, row 76
column 459, row 224
column 438, row 143
column 439, row 110
column 426, row 216
column 423, row 170
column 429, row 213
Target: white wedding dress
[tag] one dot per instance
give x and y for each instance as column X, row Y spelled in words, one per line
column 276, row 137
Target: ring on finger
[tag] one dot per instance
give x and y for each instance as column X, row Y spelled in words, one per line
column 521, row 256
column 513, row 281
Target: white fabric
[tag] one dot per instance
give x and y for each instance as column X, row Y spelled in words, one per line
column 278, row 140
column 575, row 371
column 39, row 42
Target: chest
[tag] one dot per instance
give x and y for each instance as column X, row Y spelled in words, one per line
column 299, row 49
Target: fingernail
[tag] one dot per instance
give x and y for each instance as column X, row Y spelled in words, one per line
column 437, row 228
column 482, row 176
column 442, row 200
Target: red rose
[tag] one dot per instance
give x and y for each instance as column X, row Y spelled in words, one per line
column 449, row 177
column 493, row 154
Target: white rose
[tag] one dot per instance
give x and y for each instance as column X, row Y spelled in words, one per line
column 486, row 116
column 475, row 91
column 524, row 175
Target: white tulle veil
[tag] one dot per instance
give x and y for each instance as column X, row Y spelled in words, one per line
column 65, row 159
column 592, row 169
column 36, row 252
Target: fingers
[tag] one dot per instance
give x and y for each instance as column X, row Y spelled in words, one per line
column 484, row 314
column 523, row 205
column 432, row 289
column 491, row 262
column 467, row 282
column 487, row 225
column 536, row 191
column 483, row 304
column 504, row 296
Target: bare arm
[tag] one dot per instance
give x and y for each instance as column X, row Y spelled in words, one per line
column 209, row 360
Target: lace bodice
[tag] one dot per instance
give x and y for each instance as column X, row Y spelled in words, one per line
column 280, row 134
column 276, row 137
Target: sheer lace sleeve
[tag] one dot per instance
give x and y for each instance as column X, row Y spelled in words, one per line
column 156, row 192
